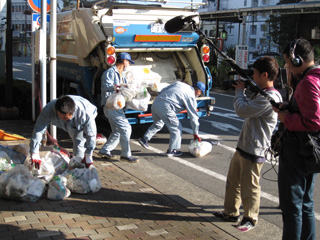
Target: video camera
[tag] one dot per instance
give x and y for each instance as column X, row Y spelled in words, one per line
column 227, row 84
column 279, row 82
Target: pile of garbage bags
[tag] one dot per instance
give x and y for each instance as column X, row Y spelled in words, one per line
column 133, row 96
column 57, row 178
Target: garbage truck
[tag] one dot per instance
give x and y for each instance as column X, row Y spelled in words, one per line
column 90, row 35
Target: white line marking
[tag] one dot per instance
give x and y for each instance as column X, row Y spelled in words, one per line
column 224, row 109
column 222, row 94
column 214, row 174
column 204, row 135
column 207, row 171
column 192, row 165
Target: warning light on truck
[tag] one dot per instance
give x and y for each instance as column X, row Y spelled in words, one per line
column 111, row 55
column 205, row 50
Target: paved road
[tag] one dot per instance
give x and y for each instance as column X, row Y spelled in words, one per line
column 201, row 181
column 22, row 68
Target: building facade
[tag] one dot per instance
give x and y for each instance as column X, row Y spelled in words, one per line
column 256, row 28
column 3, row 15
column 20, row 25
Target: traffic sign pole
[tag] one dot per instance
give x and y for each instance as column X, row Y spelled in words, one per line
column 53, row 59
column 42, row 6
column 43, row 53
column 9, row 75
column 35, row 25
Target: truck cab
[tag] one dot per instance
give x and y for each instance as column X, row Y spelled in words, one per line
column 90, row 37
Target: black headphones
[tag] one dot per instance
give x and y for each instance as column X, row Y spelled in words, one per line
column 295, row 59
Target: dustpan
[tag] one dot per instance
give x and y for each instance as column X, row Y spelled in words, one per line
column 10, row 137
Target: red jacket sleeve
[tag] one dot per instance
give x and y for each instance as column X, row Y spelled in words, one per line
column 308, row 101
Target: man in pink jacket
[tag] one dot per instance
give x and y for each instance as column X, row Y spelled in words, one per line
column 300, row 116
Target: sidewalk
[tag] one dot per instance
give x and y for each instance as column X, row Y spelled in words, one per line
column 126, row 207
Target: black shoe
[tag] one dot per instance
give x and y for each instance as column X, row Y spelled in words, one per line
column 144, row 143
column 173, row 153
column 129, row 159
column 107, row 155
column 226, row 217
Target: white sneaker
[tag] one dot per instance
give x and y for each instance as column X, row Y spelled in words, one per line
column 246, row 225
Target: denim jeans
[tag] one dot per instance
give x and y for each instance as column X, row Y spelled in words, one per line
column 295, row 193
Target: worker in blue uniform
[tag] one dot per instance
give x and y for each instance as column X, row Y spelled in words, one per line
column 121, row 129
column 173, row 99
column 75, row 115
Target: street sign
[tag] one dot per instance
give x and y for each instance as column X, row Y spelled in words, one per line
column 36, row 5
column 36, row 22
column 315, row 33
column 241, row 58
column 220, row 43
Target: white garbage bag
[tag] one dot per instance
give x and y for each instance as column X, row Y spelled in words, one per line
column 16, row 153
column 57, row 188
column 115, row 101
column 76, row 162
column 139, row 104
column 199, row 149
column 142, row 92
column 60, row 163
column 127, row 93
column 5, row 162
column 19, row 184
column 53, row 162
column 100, row 139
column 83, row 180
column 46, row 170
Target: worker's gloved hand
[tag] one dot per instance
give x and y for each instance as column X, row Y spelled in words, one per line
column 196, row 137
column 62, row 151
column 36, row 160
column 87, row 160
column 117, row 88
column 65, row 151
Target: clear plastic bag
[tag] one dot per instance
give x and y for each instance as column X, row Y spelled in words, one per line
column 53, row 162
column 59, row 163
column 57, row 188
column 76, row 162
column 18, row 184
column 100, row 139
column 115, row 101
column 83, row 180
column 45, row 172
column 5, row 163
column 142, row 92
column 16, row 153
column 127, row 93
column 139, row 104
column 199, row 149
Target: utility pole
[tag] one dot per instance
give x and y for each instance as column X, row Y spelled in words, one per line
column 25, row 32
column 217, row 21
column 269, row 38
column 9, row 81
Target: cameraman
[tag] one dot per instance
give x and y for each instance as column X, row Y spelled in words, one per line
column 302, row 115
column 246, row 163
